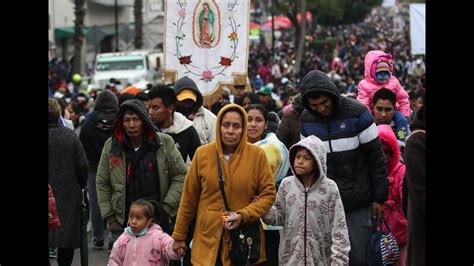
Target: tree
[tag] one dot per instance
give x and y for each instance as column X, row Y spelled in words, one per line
column 137, row 10
column 301, row 41
column 356, row 10
column 326, row 12
column 80, row 13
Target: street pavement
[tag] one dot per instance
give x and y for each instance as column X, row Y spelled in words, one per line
column 96, row 257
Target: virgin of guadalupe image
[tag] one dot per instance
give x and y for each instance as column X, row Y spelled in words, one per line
column 206, row 21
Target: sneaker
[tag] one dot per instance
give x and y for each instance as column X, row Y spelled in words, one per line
column 98, row 244
column 52, row 253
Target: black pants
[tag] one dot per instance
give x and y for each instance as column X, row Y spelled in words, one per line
column 189, row 237
column 272, row 241
column 218, row 259
column 65, row 256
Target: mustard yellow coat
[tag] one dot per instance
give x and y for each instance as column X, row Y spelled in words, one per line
column 246, row 174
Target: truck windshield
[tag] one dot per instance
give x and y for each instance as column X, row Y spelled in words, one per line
column 120, row 63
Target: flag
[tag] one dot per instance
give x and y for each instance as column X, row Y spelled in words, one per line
column 417, row 28
column 207, row 40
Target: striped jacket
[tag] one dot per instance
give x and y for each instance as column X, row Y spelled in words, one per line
column 355, row 159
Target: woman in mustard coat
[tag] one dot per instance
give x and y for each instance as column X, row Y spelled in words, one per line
column 246, row 173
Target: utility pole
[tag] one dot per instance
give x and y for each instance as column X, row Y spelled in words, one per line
column 116, row 27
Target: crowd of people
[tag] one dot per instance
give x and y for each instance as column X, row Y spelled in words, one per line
column 315, row 157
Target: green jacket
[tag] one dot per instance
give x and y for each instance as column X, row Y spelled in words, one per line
column 111, row 179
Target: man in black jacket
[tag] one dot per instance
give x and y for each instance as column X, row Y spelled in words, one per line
column 162, row 112
column 95, row 131
column 355, row 158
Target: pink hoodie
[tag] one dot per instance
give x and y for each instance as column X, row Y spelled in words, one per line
column 393, row 212
column 153, row 248
column 369, row 85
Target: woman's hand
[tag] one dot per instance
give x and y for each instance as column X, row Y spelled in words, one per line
column 179, row 247
column 233, row 221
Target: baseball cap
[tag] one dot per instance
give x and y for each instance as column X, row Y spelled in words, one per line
column 186, row 94
column 265, row 90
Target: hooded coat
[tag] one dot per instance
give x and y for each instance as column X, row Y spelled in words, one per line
column 204, row 121
column 369, row 85
column 246, row 174
column 112, row 170
column 355, row 158
column 185, row 136
column 393, row 212
column 314, row 223
column 98, row 127
column 153, row 248
column 415, row 158
column 67, row 172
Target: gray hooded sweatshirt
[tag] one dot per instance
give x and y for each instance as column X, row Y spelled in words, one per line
column 314, row 223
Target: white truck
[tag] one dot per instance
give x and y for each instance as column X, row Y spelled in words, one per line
column 137, row 68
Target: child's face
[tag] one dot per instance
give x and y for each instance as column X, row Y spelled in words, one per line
column 382, row 74
column 137, row 219
column 304, row 163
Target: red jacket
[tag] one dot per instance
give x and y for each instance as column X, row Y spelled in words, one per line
column 393, row 212
column 53, row 219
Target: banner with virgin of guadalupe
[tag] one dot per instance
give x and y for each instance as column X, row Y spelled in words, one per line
column 207, row 40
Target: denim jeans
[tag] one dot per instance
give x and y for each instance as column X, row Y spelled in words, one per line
column 96, row 218
column 359, row 225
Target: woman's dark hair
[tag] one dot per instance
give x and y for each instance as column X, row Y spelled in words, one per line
column 150, row 207
column 77, row 108
column 254, row 98
column 260, row 108
column 232, row 110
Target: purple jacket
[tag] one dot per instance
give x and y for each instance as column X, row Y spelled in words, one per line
column 153, row 248
column 369, row 85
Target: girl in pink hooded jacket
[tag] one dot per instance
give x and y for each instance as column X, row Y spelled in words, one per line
column 378, row 74
column 143, row 242
column 393, row 212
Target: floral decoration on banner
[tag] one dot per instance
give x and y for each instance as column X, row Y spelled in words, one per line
column 204, row 72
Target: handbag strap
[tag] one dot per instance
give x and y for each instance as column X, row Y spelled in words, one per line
column 221, row 182
column 379, row 221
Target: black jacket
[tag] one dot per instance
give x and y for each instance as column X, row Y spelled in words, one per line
column 185, row 136
column 95, row 131
column 355, row 159
column 98, row 127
